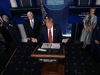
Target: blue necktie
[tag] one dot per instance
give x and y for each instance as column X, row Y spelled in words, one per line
column 32, row 24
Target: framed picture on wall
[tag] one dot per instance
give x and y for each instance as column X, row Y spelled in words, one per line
column 84, row 2
column 26, row 3
column 97, row 2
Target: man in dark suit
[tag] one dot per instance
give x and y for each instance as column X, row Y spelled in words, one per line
column 95, row 47
column 32, row 26
column 50, row 33
column 10, row 26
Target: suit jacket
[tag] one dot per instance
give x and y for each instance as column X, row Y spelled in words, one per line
column 57, row 35
column 96, row 33
column 12, row 29
column 36, row 29
column 2, row 30
column 11, row 25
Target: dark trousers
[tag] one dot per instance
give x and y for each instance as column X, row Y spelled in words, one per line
column 34, row 44
column 16, row 37
column 95, row 48
column 1, row 46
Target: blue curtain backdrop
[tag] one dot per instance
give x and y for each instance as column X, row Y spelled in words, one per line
column 4, row 7
column 60, row 16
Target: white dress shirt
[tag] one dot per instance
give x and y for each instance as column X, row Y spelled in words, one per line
column 51, row 32
column 31, row 22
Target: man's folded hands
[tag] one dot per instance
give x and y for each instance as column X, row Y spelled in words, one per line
column 34, row 40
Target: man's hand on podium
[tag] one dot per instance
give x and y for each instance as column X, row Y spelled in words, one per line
column 65, row 40
column 34, row 40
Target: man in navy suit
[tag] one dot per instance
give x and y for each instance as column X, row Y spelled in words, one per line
column 32, row 26
column 95, row 47
column 50, row 33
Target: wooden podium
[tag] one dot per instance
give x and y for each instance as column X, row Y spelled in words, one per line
column 51, row 68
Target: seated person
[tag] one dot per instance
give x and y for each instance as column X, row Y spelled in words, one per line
column 95, row 47
column 50, row 33
column 6, row 37
column 4, row 33
column 10, row 26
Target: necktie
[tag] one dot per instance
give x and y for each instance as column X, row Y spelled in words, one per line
column 50, row 37
column 32, row 24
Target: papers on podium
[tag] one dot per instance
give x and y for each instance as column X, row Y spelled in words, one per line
column 51, row 45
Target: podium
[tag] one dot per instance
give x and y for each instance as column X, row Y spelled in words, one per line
column 50, row 58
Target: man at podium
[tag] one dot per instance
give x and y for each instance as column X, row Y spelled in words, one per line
column 51, row 55
column 50, row 33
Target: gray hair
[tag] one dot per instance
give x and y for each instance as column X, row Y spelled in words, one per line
column 29, row 13
column 5, row 16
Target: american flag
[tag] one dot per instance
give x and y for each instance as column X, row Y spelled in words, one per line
column 44, row 14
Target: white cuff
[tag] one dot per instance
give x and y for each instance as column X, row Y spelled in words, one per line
column 62, row 40
column 36, row 40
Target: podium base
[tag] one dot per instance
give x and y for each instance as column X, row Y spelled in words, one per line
column 53, row 69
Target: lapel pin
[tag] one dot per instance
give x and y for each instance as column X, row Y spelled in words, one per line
column 54, row 29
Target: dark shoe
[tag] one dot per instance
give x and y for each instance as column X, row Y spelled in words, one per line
column 89, row 56
column 96, row 60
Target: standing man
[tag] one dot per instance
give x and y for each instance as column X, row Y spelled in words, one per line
column 95, row 47
column 32, row 26
column 50, row 33
column 10, row 26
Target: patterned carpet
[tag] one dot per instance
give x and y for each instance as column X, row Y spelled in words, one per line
column 75, row 61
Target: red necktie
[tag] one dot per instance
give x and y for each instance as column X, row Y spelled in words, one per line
column 50, row 37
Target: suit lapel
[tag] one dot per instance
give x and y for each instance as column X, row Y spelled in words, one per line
column 34, row 23
column 29, row 24
column 47, row 34
column 54, row 32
